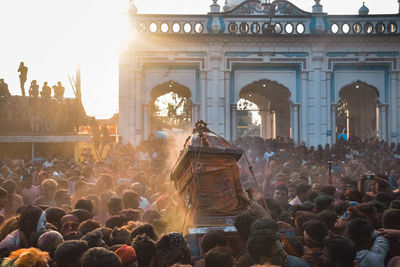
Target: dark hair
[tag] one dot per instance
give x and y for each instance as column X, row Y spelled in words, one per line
column 329, row 217
column 327, row 190
column 53, row 215
column 282, row 187
column 244, row 221
column 87, row 226
column 100, row 257
column 391, row 219
column 120, row 236
column 384, row 198
column 316, row 229
column 82, row 214
column 264, row 223
column 219, row 257
column 261, row 243
column 341, row 249
column 144, row 229
column 115, row 221
column 59, row 193
column 213, row 238
column 341, row 207
column 145, row 250
column 151, row 215
column 359, row 230
column 29, row 219
column 84, row 204
column 10, row 186
column 114, row 202
column 132, row 214
column 130, row 199
column 69, row 252
column 323, row 202
column 94, row 238
column 302, row 188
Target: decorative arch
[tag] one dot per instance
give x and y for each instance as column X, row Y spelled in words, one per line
column 356, row 110
column 273, row 101
column 361, row 84
column 170, row 86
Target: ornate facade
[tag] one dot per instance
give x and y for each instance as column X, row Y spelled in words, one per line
column 312, row 76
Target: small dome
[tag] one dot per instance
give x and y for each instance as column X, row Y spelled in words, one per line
column 363, row 11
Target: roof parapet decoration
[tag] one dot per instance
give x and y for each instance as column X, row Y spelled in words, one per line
column 276, row 8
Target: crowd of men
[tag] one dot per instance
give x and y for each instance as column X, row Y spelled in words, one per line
column 333, row 206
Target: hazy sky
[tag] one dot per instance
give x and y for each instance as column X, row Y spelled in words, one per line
column 52, row 36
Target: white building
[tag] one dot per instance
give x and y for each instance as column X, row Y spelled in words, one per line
column 310, row 75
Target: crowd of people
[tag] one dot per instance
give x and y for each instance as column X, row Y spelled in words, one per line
column 332, row 206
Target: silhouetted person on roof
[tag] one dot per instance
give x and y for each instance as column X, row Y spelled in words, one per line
column 34, row 89
column 46, row 91
column 59, row 91
column 22, row 76
column 4, row 92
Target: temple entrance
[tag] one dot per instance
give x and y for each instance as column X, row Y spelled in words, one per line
column 263, row 110
column 170, row 109
column 357, row 111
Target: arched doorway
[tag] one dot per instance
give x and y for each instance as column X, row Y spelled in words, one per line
column 273, row 107
column 357, row 111
column 170, row 109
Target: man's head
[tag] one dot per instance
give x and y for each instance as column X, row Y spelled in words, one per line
column 219, row 257
column 302, row 191
column 343, row 183
column 339, row 251
column 49, row 187
column 264, row 247
column 281, row 194
column 100, row 257
column 212, row 239
column 324, row 202
column 359, row 230
column 10, row 186
column 243, row 223
column 62, row 197
column 114, row 206
column 130, row 199
column 314, row 233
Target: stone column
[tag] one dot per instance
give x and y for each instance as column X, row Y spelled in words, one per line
column 203, row 95
column 304, row 108
column 331, row 128
column 137, row 111
column 228, row 105
column 295, row 123
column 383, row 121
column 233, row 121
column 393, row 108
column 146, row 121
column 333, row 123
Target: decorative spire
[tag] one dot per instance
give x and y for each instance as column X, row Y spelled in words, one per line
column 215, row 8
column 317, row 8
column 363, row 11
column 132, row 7
column 226, row 6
